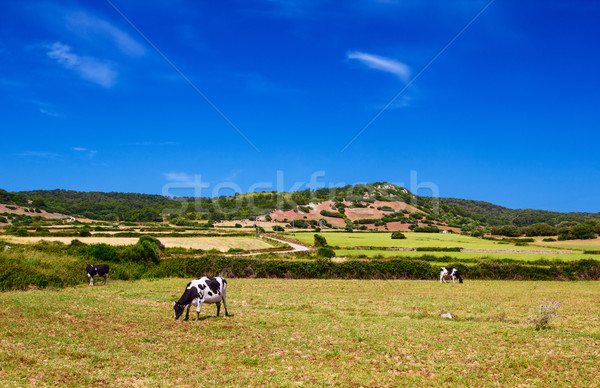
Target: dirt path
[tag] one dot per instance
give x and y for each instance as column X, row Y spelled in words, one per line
column 295, row 248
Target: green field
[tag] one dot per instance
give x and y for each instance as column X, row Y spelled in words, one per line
column 302, row 332
column 437, row 240
column 467, row 255
column 413, row 240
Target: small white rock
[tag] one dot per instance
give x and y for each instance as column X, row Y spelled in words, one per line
column 447, row 315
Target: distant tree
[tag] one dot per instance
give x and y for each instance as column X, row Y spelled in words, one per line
column 320, row 241
column 38, row 202
column 539, row 229
column 398, row 235
column 506, row 230
column 278, row 228
column 325, row 252
column 477, row 233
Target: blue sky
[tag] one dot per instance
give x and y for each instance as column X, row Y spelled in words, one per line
column 154, row 97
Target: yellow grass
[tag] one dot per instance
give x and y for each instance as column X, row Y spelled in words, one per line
column 222, row 244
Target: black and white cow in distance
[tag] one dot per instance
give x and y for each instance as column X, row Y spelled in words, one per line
column 199, row 291
column 449, row 273
column 97, row 270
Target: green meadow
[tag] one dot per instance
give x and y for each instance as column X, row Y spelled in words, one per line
column 413, row 240
column 302, row 333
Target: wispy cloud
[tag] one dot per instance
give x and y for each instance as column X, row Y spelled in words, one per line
column 178, row 177
column 49, row 112
column 233, row 174
column 86, row 24
column 90, row 153
column 399, row 69
column 88, row 68
column 39, row 154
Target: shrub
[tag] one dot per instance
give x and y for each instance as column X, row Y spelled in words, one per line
column 327, row 213
column 320, row 241
column 398, row 235
column 540, row 317
column 99, row 253
column 278, row 228
column 144, row 251
column 299, row 224
column 548, row 239
column 238, row 225
column 477, row 233
column 367, row 221
column 22, row 232
column 427, row 229
column 85, row 232
column 152, row 240
column 325, row 252
column 268, row 218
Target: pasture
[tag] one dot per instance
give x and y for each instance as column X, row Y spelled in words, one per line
column 302, row 333
column 413, row 240
column 460, row 256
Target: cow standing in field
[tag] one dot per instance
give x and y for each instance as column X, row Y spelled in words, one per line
column 199, row 291
column 97, row 270
column 449, row 273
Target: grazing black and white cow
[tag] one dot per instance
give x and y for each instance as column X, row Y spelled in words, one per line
column 97, row 270
column 449, row 273
column 199, row 291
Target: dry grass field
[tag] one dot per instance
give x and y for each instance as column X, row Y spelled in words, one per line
column 302, row 333
column 220, row 243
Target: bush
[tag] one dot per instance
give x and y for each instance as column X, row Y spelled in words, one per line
column 85, row 232
column 327, row 213
column 477, row 233
column 506, row 230
column 540, row 317
column 320, row 241
column 548, row 239
column 426, row 229
column 98, row 253
column 278, row 228
column 325, row 252
column 152, row 240
column 142, row 252
column 398, row 235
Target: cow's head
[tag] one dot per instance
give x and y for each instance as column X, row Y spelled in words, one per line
column 178, row 308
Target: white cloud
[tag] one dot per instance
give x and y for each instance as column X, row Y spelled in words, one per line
column 39, row 154
column 88, row 68
column 178, row 177
column 90, row 153
column 49, row 112
column 399, row 69
column 86, row 24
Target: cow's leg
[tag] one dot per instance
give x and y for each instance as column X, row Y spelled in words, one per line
column 187, row 313
column 91, row 279
column 198, row 310
column 225, row 306
column 106, row 278
column 218, row 308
